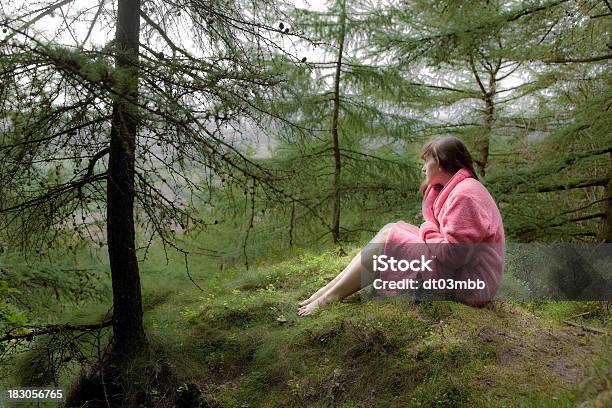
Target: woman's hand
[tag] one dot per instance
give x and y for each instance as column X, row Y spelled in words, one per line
column 431, row 193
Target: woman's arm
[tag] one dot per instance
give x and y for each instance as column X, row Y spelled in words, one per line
column 464, row 221
column 462, row 228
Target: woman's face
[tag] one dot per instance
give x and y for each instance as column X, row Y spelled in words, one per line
column 432, row 171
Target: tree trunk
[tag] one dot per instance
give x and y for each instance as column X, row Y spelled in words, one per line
column 291, row 224
column 334, row 131
column 486, row 138
column 608, row 220
column 487, row 96
column 128, row 328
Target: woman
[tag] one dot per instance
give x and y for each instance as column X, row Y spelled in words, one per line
column 463, row 233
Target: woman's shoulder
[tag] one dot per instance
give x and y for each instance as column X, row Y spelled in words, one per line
column 471, row 187
column 474, row 192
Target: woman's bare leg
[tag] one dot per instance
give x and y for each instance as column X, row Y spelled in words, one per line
column 320, row 292
column 347, row 282
column 378, row 238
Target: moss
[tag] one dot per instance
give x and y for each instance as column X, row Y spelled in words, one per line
column 241, row 342
column 436, row 310
column 374, row 353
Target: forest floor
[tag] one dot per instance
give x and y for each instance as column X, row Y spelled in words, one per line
column 242, row 343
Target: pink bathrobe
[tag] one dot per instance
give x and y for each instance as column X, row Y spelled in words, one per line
column 466, row 239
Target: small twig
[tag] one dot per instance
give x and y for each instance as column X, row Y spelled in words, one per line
column 104, row 388
column 554, row 336
column 585, row 328
column 189, row 273
column 581, row 314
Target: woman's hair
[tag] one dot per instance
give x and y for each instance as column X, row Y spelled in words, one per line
column 449, row 153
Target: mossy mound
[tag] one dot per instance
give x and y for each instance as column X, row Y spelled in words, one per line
column 244, row 345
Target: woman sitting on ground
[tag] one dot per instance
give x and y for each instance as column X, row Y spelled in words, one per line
column 463, row 231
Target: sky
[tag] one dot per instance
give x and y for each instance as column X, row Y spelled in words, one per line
column 53, row 26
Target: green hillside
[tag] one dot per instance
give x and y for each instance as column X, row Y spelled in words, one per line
column 240, row 343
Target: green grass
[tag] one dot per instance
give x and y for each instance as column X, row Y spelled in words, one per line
column 242, row 342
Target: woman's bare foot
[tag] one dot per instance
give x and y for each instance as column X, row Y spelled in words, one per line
column 319, row 303
column 317, row 294
column 311, row 299
column 309, row 308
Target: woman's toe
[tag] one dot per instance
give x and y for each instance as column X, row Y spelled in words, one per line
column 304, row 311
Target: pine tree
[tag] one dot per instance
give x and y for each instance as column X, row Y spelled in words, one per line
column 347, row 123
column 119, row 127
column 492, row 42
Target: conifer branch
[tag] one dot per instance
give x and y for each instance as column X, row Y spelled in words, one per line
column 578, row 60
column 52, row 329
